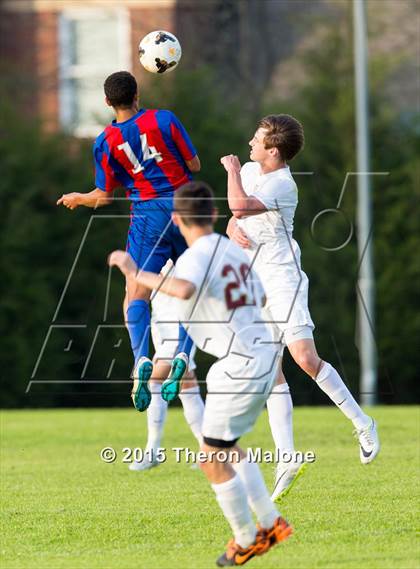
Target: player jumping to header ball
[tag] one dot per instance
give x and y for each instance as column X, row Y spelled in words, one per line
column 219, row 304
column 263, row 198
column 149, row 153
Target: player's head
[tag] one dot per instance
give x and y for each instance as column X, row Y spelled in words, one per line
column 120, row 90
column 277, row 137
column 194, row 206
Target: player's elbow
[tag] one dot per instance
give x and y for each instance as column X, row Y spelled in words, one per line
column 106, row 200
column 238, row 213
column 194, row 165
column 101, row 198
column 246, row 207
column 186, row 291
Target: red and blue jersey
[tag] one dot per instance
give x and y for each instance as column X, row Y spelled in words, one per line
column 146, row 155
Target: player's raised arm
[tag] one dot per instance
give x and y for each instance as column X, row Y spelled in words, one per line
column 95, row 198
column 240, row 204
column 172, row 286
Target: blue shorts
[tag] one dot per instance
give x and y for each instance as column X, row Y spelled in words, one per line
column 152, row 236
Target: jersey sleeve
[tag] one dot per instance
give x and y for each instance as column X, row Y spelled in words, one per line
column 181, row 138
column 191, row 268
column 248, row 169
column 248, row 176
column 105, row 177
column 276, row 194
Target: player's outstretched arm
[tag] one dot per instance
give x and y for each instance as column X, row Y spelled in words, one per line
column 95, row 198
column 172, row 286
column 240, row 204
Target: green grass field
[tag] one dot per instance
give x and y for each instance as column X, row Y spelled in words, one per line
column 63, row 507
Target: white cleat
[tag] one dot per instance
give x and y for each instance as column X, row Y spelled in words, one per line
column 145, row 464
column 286, row 476
column 369, row 442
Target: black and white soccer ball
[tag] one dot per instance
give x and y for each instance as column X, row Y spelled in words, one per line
column 159, row 52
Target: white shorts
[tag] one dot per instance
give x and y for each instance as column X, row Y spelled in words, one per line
column 165, row 331
column 286, row 310
column 236, row 394
column 285, row 337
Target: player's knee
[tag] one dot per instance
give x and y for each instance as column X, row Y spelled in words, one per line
column 280, row 379
column 206, row 468
column 308, row 361
column 189, row 380
column 209, row 467
column 214, row 466
column 135, row 291
column 139, row 294
column 187, row 385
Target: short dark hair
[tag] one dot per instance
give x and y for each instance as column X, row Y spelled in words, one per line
column 284, row 133
column 194, row 202
column 120, row 89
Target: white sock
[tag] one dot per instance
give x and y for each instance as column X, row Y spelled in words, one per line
column 332, row 384
column 280, row 416
column 156, row 415
column 193, row 409
column 231, row 497
column 258, row 498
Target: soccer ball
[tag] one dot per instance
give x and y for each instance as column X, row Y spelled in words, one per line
column 159, row 52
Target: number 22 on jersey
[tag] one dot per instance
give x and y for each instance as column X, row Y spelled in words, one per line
column 239, row 290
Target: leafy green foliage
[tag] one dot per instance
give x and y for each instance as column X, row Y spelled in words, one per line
column 39, row 243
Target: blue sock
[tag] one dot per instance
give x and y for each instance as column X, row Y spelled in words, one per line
column 185, row 343
column 138, row 324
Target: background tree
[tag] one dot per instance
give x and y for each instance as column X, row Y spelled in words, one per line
column 40, row 243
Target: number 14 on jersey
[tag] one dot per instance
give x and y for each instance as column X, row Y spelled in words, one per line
column 149, row 153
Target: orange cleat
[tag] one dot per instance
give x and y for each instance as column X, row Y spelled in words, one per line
column 280, row 531
column 237, row 555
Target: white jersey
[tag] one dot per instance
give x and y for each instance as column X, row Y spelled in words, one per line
column 224, row 318
column 271, row 230
column 224, row 314
column 275, row 255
